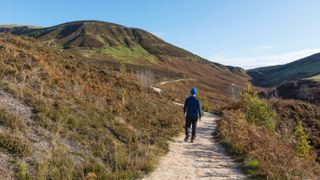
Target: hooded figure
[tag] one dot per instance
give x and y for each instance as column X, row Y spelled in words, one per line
column 192, row 110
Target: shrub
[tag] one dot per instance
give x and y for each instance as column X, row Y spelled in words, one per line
column 263, row 154
column 257, row 110
column 260, row 113
column 301, row 140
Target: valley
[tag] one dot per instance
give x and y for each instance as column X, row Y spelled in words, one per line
column 94, row 100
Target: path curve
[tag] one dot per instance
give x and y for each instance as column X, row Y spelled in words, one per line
column 203, row 159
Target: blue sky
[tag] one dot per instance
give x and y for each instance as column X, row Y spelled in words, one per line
column 246, row 33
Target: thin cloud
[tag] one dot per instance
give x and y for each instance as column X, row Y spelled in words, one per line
column 268, row 60
column 260, row 48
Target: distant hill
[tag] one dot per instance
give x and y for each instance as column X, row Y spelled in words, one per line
column 17, row 29
column 276, row 75
column 102, row 39
column 306, row 89
column 103, row 43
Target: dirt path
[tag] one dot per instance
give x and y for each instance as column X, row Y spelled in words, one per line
column 173, row 81
column 203, row 159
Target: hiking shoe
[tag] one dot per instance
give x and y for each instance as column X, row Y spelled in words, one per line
column 192, row 140
column 186, row 138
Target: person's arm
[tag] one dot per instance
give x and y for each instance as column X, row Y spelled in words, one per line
column 185, row 106
column 199, row 110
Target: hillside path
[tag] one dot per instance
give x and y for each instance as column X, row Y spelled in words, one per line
column 177, row 80
column 203, row 159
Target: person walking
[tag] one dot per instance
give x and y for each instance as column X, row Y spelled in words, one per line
column 192, row 110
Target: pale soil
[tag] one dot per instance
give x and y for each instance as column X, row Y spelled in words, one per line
column 173, row 81
column 36, row 136
column 203, row 159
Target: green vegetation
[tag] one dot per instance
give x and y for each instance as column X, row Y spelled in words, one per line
column 290, row 114
column 252, row 167
column 301, row 140
column 249, row 166
column 258, row 111
column 131, row 55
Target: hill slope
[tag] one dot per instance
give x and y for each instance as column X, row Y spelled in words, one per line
column 306, row 89
column 62, row 118
column 102, row 39
column 275, row 75
column 109, row 44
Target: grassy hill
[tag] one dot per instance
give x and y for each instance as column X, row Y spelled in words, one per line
column 102, row 39
column 63, row 118
column 276, row 75
column 111, row 45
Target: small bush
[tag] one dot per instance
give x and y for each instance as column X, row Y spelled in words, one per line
column 260, row 113
column 301, row 140
column 257, row 111
column 14, row 145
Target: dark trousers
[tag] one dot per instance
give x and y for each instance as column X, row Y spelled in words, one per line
column 191, row 121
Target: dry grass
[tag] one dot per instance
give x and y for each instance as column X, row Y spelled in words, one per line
column 99, row 122
column 264, row 153
column 277, row 158
column 291, row 112
column 211, row 99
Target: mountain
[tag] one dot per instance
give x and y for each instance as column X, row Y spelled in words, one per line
column 102, row 39
column 108, row 40
column 109, row 44
column 276, row 75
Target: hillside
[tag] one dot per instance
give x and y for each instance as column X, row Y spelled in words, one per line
column 102, row 39
column 307, row 89
column 111, row 45
column 276, row 75
column 17, row 29
column 274, row 139
column 62, row 118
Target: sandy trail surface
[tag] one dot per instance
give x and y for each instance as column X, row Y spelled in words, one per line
column 203, row 159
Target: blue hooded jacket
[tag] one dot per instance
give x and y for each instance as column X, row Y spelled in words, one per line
column 192, row 107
